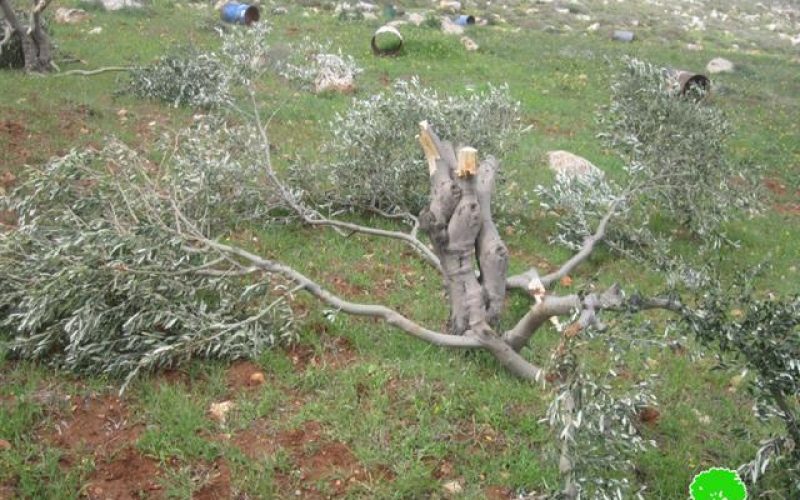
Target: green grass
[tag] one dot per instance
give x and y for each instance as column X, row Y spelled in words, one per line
column 422, row 415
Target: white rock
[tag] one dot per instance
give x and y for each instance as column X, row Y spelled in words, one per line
column 593, row 27
column 366, row 7
column 694, row 47
column 719, row 65
column 70, row 16
column 120, row 4
column 469, row 43
column 416, row 19
column 452, row 487
column 370, row 16
column 583, row 17
column 564, row 162
column 450, row 6
column 451, row 28
column 397, row 23
column 95, row 31
column 219, row 411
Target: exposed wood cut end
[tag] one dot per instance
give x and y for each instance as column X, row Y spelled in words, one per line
column 428, row 146
column 467, row 162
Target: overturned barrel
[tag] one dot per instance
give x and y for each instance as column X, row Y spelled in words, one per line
column 387, row 40
column 688, row 83
column 240, row 13
column 464, row 20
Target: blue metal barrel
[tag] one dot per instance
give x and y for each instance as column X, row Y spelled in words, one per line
column 239, row 13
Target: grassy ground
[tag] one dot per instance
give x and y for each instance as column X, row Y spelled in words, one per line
column 355, row 409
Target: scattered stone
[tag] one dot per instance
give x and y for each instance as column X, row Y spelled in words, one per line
column 451, row 28
column 623, row 36
column 702, row 418
column 593, row 27
column 416, row 19
column 112, row 5
column 366, row 7
column 219, row 411
column 469, row 43
column 257, row 378
column 334, row 76
column 452, row 487
column 694, row 47
column 370, row 16
column 566, row 163
column 279, row 11
column 719, row 65
column 70, row 16
column 450, row 6
column 95, row 31
column 397, row 23
column 4, row 445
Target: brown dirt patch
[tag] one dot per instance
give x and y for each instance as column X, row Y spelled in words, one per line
column 336, row 353
column 240, row 375
column 775, row 186
column 498, row 493
column 126, row 475
column 316, row 460
column 100, row 424
column 218, row 485
column 788, row 208
column 344, row 287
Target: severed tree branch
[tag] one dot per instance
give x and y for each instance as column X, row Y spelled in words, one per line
column 91, row 72
column 391, row 316
column 526, row 280
column 314, row 218
column 588, row 307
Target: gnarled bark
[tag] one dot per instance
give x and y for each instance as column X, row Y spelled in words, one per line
column 459, row 224
column 36, row 47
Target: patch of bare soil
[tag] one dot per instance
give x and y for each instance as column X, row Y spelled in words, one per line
column 100, row 426
column 498, row 493
column 218, row 482
column 788, row 208
column 316, row 460
column 244, row 375
column 126, row 475
column 336, row 353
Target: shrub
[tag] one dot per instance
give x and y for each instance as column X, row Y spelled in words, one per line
column 184, row 78
column 95, row 278
column 679, row 175
column 375, row 161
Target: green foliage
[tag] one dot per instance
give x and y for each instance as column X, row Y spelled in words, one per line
column 680, row 179
column 763, row 334
column 375, row 160
column 676, row 151
column 185, row 77
column 98, row 278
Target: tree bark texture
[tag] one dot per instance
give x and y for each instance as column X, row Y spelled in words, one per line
column 459, row 224
column 36, row 47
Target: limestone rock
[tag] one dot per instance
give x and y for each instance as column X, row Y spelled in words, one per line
column 112, row 5
column 70, row 16
column 566, row 163
column 469, row 43
column 719, row 65
column 416, row 19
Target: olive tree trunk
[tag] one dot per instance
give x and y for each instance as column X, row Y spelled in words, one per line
column 36, row 47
